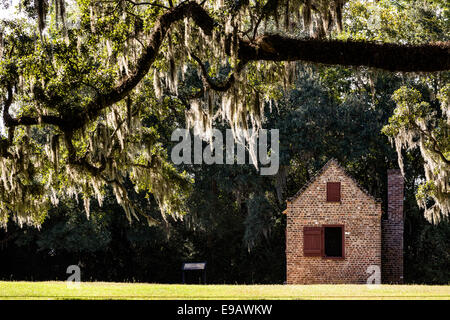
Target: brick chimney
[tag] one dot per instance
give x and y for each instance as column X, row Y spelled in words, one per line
column 392, row 231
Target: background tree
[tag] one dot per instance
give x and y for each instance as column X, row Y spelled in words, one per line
column 416, row 124
column 231, row 216
column 77, row 87
column 240, row 243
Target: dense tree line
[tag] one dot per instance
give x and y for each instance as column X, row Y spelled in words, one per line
column 78, row 79
column 90, row 96
column 234, row 219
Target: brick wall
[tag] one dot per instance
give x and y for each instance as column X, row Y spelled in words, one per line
column 392, row 231
column 361, row 216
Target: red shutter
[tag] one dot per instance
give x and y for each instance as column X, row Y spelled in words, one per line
column 333, row 191
column 312, row 241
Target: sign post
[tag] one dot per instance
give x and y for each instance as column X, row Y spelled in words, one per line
column 194, row 266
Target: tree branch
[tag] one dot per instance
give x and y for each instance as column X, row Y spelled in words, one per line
column 434, row 141
column 155, row 4
column 391, row 57
column 162, row 25
column 73, row 159
column 210, row 83
column 9, row 121
column 387, row 56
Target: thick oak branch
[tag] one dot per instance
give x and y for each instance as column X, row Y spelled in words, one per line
column 162, row 25
column 386, row 56
column 392, row 57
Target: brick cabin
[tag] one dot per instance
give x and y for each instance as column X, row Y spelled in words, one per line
column 335, row 230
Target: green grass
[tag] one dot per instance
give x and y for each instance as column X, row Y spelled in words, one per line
column 105, row 290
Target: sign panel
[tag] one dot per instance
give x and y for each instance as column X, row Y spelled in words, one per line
column 194, row 266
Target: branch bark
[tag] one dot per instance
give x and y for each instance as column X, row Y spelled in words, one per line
column 387, row 56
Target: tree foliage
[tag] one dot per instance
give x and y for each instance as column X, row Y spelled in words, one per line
column 234, row 219
column 416, row 125
column 78, row 80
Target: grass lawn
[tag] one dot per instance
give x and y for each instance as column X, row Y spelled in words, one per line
column 110, row 290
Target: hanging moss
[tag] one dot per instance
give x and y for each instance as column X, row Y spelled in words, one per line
column 97, row 136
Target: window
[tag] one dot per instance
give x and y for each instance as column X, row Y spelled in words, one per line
column 326, row 241
column 333, row 191
column 333, row 241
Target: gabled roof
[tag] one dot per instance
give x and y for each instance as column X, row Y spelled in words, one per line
column 322, row 170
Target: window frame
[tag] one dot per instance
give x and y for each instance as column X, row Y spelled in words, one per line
column 322, row 239
column 342, row 244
